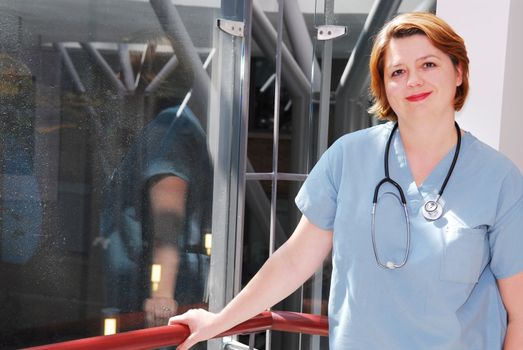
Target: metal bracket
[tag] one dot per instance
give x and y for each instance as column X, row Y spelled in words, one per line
column 329, row 32
column 234, row 28
column 230, row 344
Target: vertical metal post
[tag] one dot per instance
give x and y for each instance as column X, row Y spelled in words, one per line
column 276, row 128
column 276, row 137
column 228, row 143
column 325, row 98
column 323, row 138
column 245, row 68
column 325, row 91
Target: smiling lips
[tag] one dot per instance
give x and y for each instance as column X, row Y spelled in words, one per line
column 418, row 97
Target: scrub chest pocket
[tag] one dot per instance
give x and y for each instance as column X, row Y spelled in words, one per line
column 465, row 249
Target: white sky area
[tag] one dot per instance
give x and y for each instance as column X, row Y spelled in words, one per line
column 340, row 6
column 306, row 6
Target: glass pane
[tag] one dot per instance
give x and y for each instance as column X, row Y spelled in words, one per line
column 106, row 172
column 256, row 237
column 263, row 84
column 257, row 227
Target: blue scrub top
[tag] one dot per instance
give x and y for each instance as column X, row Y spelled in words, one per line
column 446, row 296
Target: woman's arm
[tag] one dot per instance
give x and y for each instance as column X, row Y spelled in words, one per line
column 511, row 290
column 287, row 269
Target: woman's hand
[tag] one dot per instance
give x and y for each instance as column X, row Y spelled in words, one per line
column 158, row 310
column 201, row 323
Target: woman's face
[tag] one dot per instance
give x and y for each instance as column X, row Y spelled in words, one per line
column 420, row 80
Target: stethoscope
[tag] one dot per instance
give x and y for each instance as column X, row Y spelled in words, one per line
column 432, row 210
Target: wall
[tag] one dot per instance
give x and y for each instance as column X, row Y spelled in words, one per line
column 511, row 141
column 492, row 32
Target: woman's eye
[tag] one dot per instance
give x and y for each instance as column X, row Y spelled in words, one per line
column 429, row 64
column 397, row 72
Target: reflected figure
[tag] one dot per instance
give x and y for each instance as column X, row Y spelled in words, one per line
column 157, row 209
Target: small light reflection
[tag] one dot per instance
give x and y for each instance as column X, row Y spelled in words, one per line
column 110, row 325
column 156, row 276
column 453, row 219
column 208, row 243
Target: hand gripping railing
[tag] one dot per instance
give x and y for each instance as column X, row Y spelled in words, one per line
column 156, row 337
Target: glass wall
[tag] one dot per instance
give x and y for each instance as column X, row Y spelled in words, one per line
column 110, row 113
column 138, row 142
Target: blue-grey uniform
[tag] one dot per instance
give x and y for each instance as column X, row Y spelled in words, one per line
column 446, row 296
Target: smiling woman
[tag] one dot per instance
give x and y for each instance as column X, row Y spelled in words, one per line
column 416, row 71
column 442, row 40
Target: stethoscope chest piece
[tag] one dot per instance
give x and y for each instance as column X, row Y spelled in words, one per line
column 432, row 210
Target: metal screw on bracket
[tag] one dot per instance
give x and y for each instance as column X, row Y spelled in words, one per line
column 234, row 28
column 329, row 32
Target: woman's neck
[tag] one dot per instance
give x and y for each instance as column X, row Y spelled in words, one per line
column 426, row 144
column 426, row 137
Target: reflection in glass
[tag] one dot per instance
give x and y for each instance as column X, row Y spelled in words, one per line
column 156, row 212
column 106, row 175
column 82, row 88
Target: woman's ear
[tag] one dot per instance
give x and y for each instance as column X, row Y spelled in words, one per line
column 459, row 74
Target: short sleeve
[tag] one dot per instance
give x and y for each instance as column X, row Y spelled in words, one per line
column 506, row 235
column 171, row 145
column 317, row 198
column 169, row 167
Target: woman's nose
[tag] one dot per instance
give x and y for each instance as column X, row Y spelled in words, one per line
column 414, row 79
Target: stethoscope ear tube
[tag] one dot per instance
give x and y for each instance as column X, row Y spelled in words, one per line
column 393, row 183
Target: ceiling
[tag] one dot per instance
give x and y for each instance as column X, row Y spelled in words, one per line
column 36, row 22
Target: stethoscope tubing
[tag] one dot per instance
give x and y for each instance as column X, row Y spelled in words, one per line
column 454, row 161
column 387, row 179
column 390, row 265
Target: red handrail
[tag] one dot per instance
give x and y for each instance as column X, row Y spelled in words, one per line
column 156, row 337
